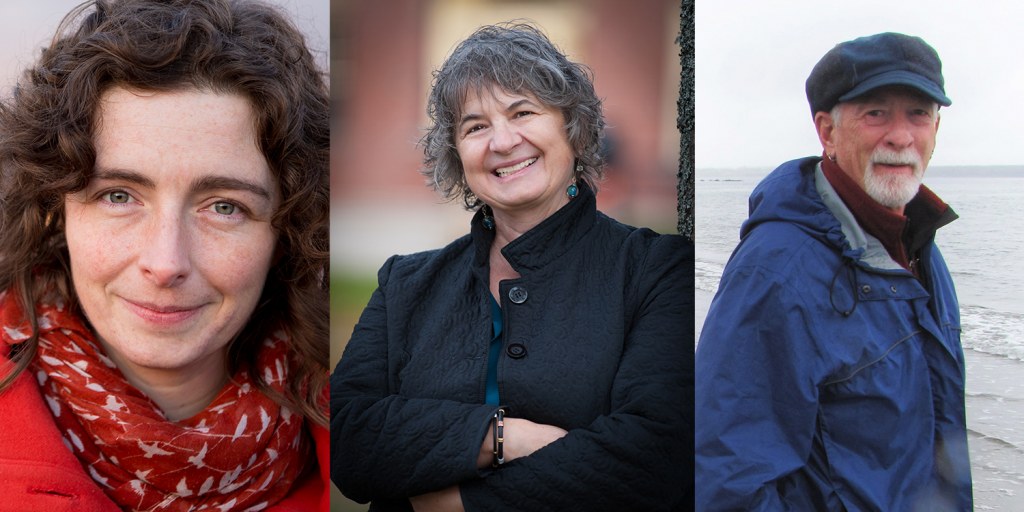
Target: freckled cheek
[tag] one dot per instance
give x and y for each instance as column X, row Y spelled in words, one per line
column 236, row 265
column 98, row 250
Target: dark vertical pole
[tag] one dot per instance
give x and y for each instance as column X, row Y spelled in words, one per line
column 685, row 120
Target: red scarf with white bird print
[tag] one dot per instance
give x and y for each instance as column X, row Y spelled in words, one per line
column 243, row 452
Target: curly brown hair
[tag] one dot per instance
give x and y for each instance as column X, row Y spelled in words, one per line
column 224, row 46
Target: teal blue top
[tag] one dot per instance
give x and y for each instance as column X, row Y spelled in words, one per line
column 495, row 351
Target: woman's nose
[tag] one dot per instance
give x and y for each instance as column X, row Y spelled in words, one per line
column 504, row 137
column 164, row 259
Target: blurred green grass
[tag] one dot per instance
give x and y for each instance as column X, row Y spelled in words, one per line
column 349, row 294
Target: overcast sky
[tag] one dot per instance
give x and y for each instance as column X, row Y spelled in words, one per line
column 754, row 56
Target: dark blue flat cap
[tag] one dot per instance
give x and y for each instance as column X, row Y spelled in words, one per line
column 855, row 67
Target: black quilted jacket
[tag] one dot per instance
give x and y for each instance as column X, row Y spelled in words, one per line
column 598, row 340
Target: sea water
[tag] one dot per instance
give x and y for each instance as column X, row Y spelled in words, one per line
column 984, row 250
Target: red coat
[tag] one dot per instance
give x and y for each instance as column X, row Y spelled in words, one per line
column 38, row 472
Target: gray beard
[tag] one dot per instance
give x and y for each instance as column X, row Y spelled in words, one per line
column 891, row 190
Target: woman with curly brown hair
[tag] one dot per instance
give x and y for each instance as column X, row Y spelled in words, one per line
column 163, row 255
column 544, row 361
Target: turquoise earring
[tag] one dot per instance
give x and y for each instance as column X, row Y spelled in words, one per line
column 572, row 190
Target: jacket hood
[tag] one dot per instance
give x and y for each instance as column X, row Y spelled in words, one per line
column 792, row 194
column 798, row 193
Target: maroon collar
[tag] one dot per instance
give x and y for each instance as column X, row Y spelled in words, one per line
column 896, row 232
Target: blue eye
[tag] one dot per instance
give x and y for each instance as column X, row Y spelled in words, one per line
column 225, row 208
column 117, row 197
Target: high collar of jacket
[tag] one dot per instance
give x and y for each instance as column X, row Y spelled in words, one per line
column 902, row 235
column 545, row 242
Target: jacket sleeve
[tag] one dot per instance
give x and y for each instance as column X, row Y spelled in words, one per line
column 385, row 446
column 757, row 394
column 640, row 455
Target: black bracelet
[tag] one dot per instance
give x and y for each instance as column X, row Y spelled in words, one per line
column 498, row 435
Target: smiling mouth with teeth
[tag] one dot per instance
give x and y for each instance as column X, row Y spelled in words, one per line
column 505, row 171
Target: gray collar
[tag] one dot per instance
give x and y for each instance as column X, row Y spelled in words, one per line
column 874, row 253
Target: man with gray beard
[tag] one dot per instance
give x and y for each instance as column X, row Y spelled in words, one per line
column 830, row 374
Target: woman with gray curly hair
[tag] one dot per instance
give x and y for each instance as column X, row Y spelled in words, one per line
column 545, row 360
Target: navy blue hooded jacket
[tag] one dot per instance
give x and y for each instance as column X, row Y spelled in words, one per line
column 828, row 377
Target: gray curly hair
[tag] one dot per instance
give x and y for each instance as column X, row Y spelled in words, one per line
column 517, row 58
